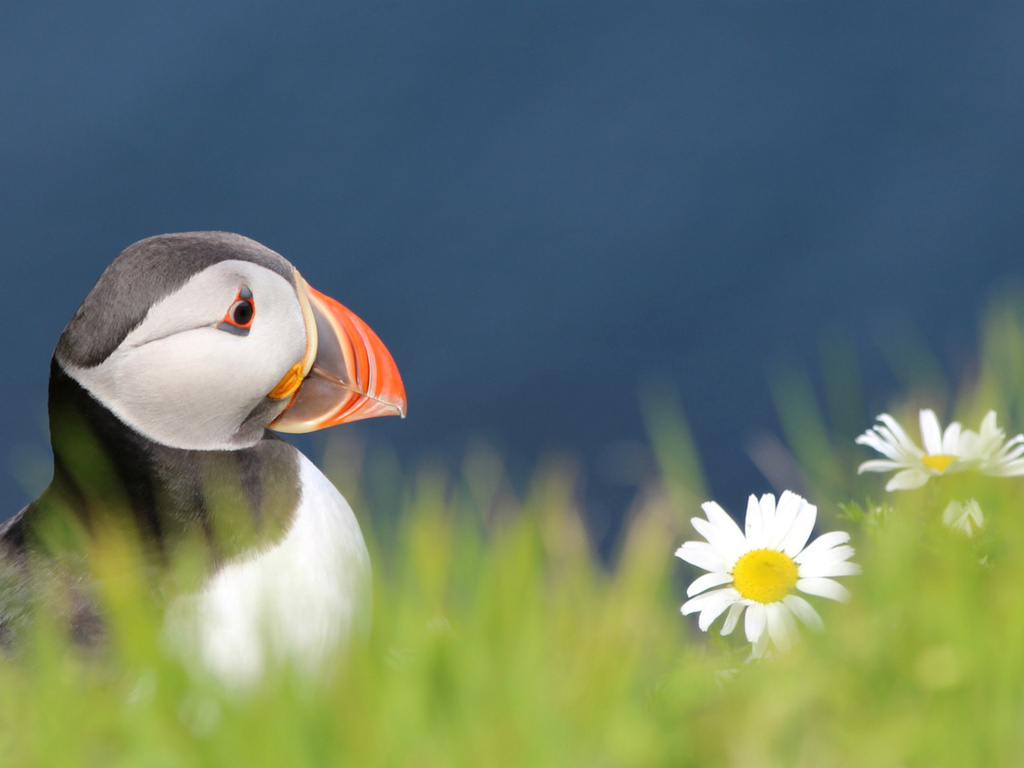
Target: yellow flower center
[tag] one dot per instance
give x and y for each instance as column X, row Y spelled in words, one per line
column 764, row 575
column 939, row 461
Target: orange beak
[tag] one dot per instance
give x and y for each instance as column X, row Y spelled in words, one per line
column 347, row 373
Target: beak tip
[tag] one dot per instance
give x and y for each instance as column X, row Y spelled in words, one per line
column 352, row 377
column 399, row 409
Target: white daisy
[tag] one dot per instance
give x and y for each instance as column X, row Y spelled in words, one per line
column 945, row 452
column 759, row 569
column 965, row 516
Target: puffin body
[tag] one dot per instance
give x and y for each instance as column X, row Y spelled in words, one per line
column 163, row 387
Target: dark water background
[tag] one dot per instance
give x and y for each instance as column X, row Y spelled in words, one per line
column 540, row 207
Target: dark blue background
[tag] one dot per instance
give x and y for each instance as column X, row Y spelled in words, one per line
column 539, row 207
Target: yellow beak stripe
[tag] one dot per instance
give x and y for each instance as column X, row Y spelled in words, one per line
column 293, row 379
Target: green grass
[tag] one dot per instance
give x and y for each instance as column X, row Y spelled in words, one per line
column 501, row 639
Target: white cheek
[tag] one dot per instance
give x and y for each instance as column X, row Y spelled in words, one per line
column 194, row 389
column 172, row 394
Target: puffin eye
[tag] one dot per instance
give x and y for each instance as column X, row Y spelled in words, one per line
column 238, row 318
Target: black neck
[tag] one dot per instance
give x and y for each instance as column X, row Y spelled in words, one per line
column 105, row 471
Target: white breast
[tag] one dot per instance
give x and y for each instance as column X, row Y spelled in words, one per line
column 299, row 601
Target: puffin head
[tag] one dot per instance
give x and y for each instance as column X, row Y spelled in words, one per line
column 201, row 340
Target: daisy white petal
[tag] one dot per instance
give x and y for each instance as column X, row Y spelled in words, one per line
column 728, row 546
column 756, row 621
column 1013, row 448
column 988, row 425
column 821, row 544
column 797, row 537
column 834, row 555
column 708, row 615
column 721, row 600
column 951, row 439
column 908, row 479
column 825, row 569
column 781, row 627
column 821, row 587
column 700, row 602
column 707, row 581
column 872, row 439
column 767, row 504
column 931, row 432
column 1009, row 469
column 1004, row 461
column 804, row 611
column 722, row 520
column 713, row 611
column 754, row 524
column 732, row 618
column 878, row 465
column 786, row 510
column 760, row 647
column 985, row 443
column 703, row 555
column 898, row 435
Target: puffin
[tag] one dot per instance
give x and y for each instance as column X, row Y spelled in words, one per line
column 167, row 390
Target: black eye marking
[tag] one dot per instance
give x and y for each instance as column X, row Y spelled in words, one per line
column 238, row 319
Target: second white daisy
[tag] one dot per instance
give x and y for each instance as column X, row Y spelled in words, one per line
column 945, row 451
column 760, row 568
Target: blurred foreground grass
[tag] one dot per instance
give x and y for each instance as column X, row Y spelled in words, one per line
column 501, row 639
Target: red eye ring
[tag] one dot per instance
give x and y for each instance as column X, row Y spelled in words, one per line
column 238, row 319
